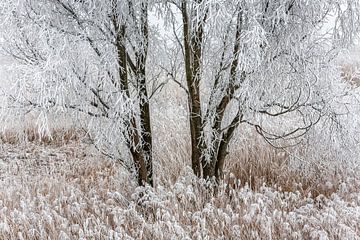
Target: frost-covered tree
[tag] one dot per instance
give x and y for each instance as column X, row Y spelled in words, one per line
column 88, row 58
column 266, row 63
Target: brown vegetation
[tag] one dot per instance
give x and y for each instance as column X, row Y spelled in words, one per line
column 70, row 192
column 351, row 73
column 58, row 136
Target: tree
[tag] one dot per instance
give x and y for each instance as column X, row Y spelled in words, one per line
column 89, row 58
column 260, row 63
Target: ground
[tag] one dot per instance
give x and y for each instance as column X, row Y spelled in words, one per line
column 70, row 192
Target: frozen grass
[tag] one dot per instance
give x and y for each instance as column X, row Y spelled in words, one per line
column 351, row 73
column 60, row 188
column 58, row 136
column 69, row 192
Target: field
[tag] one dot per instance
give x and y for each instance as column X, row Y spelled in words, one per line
column 63, row 189
column 60, row 187
column 182, row 119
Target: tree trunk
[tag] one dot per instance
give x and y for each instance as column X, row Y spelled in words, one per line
column 193, row 44
column 145, row 128
column 145, row 118
column 140, row 138
column 192, row 80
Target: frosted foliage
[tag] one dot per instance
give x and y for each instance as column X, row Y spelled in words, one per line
column 273, row 64
column 285, row 54
column 59, row 203
column 67, row 61
column 274, row 61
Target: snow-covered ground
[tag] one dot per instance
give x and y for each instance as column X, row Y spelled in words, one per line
column 68, row 192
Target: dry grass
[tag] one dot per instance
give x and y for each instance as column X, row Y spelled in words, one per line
column 58, row 136
column 69, row 192
column 261, row 164
column 60, row 188
column 351, row 73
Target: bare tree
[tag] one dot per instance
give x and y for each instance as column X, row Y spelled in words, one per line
column 260, row 63
column 90, row 58
column 264, row 63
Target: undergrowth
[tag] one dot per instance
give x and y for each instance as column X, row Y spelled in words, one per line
column 70, row 192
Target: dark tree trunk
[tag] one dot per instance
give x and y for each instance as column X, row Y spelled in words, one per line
column 138, row 156
column 139, row 137
column 192, row 70
column 193, row 43
column 144, row 98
